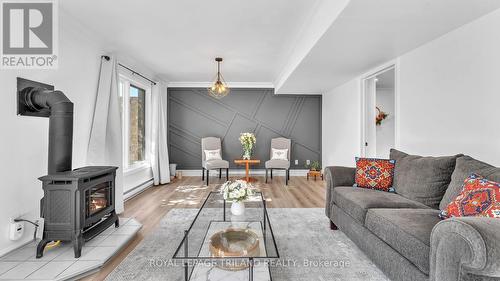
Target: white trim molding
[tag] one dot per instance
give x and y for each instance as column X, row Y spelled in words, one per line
column 392, row 64
column 397, row 104
column 239, row 172
column 137, row 190
column 229, row 84
column 298, row 93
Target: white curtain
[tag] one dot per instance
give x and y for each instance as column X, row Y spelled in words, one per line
column 105, row 142
column 159, row 148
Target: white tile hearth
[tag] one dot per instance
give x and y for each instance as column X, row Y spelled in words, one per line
column 23, row 270
column 59, row 262
column 51, row 270
column 7, row 265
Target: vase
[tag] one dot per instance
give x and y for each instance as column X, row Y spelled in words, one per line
column 247, row 154
column 237, row 208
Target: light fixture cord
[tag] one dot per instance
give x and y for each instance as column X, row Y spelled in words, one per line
column 218, row 71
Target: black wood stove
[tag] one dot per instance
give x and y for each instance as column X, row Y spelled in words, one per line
column 77, row 204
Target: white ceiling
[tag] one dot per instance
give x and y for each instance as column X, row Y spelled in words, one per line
column 179, row 39
column 369, row 33
column 270, row 41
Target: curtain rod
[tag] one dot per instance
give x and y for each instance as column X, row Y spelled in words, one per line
column 131, row 70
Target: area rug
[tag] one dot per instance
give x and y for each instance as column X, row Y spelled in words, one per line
column 309, row 250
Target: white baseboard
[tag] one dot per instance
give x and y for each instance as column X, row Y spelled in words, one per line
column 18, row 245
column 136, row 190
column 256, row 172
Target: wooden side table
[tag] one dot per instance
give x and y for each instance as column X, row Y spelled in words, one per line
column 247, row 163
column 314, row 174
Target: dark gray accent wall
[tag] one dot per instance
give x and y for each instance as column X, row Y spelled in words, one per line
column 193, row 114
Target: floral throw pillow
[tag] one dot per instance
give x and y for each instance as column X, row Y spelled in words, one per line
column 480, row 197
column 375, row 173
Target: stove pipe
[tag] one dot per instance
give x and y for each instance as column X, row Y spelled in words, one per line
column 60, row 125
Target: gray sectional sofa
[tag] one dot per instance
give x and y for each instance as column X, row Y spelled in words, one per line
column 402, row 233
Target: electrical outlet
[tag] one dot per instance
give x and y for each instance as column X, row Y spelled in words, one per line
column 308, row 162
column 296, row 162
column 16, row 230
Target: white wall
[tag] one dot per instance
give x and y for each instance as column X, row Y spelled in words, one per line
column 448, row 99
column 24, row 140
column 340, row 125
column 450, row 93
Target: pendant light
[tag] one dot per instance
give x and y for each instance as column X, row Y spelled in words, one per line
column 219, row 89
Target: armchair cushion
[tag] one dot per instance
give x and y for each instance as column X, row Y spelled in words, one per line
column 216, row 164
column 277, row 164
column 212, row 155
column 279, row 154
column 356, row 201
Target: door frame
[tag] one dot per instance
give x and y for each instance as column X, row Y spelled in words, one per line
column 393, row 64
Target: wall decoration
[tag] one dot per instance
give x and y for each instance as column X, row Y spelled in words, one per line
column 192, row 114
column 380, row 116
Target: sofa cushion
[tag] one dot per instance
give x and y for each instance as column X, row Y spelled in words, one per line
column 374, row 173
column 356, row 201
column 479, row 198
column 422, row 179
column 466, row 166
column 408, row 231
column 277, row 164
column 216, row 164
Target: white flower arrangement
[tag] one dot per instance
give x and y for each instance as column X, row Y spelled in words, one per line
column 236, row 191
column 247, row 140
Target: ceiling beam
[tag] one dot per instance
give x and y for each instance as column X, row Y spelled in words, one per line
column 322, row 17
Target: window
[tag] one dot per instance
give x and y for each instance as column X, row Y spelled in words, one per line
column 134, row 99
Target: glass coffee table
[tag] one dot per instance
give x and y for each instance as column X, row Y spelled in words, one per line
column 203, row 261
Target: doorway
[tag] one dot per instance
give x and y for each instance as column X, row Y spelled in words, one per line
column 379, row 113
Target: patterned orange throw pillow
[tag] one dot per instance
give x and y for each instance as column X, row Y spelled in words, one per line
column 375, row 173
column 479, row 198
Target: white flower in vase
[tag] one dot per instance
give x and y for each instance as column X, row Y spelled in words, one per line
column 237, row 192
column 247, row 141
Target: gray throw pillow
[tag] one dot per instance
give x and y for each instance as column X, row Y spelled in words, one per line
column 422, row 179
column 467, row 165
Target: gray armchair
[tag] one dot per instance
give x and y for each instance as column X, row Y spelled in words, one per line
column 278, row 164
column 212, row 143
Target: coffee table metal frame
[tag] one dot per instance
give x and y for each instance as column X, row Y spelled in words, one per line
column 184, row 244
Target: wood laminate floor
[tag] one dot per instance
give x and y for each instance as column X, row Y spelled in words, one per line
column 150, row 206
